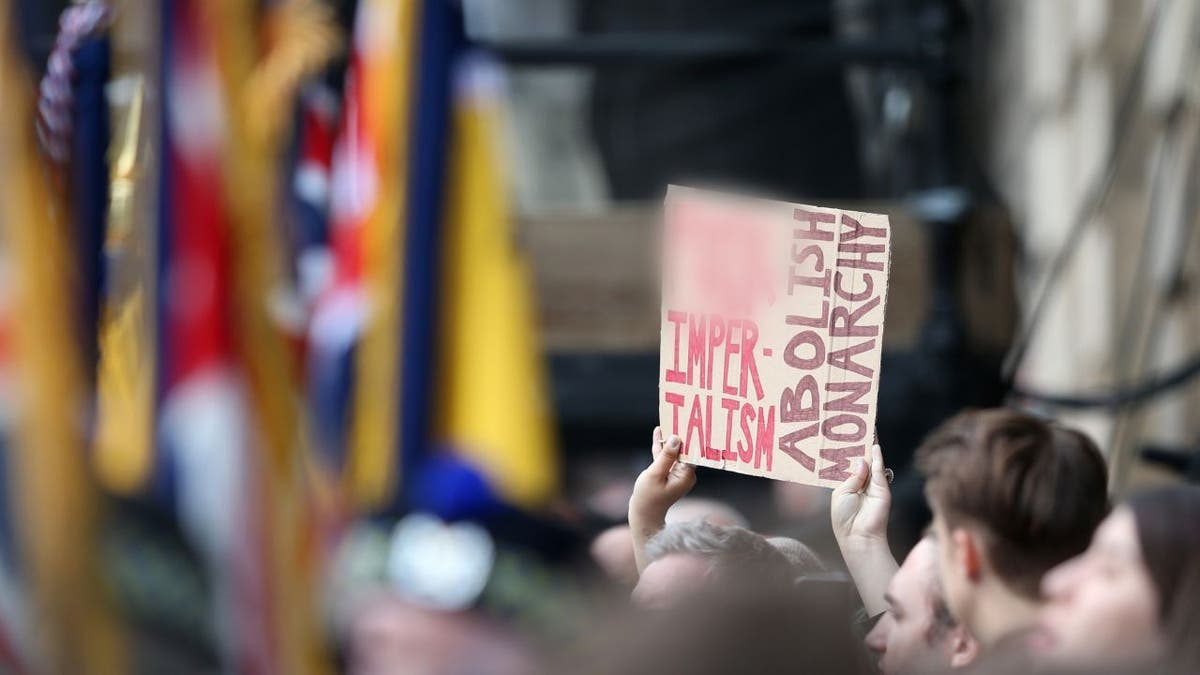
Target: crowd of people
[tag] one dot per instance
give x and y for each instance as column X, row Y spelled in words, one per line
column 1026, row 567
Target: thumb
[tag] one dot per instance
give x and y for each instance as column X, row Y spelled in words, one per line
column 670, row 452
column 856, row 480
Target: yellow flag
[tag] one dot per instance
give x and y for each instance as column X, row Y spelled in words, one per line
column 493, row 407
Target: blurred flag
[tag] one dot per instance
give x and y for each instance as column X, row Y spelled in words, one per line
column 204, row 423
column 355, row 329
column 490, row 386
column 58, row 520
column 438, row 40
column 404, row 283
column 418, row 265
column 309, row 274
column 264, row 53
column 307, row 215
column 424, row 338
column 339, row 313
column 422, row 334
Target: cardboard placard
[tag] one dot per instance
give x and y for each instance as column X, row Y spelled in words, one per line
column 772, row 329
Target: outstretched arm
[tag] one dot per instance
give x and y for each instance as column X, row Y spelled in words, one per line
column 858, row 511
column 659, row 486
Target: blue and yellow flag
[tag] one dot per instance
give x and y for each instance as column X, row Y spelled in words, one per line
column 491, row 383
column 471, row 379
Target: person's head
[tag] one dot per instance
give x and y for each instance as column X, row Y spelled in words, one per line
column 701, row 508
column 1012, row 496
column 804, row 561
column 612, row 550
column 1133, row 598
column 694, row 554
column 918, row 634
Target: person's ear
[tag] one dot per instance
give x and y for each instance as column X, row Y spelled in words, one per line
column 964, row 648
column 967, row 553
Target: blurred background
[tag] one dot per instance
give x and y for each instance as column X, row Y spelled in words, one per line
column 329, row 329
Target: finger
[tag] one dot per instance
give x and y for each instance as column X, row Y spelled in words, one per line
column 670, row 452
column 683, row 474
column 857, row 479
column 878, row 476
column 656, row 443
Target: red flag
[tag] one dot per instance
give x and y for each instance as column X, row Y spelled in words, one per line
column 205, row 426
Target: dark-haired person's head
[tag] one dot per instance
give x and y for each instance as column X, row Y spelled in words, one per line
column 1012, row 496
column 1131, row 603
column 688, row 556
